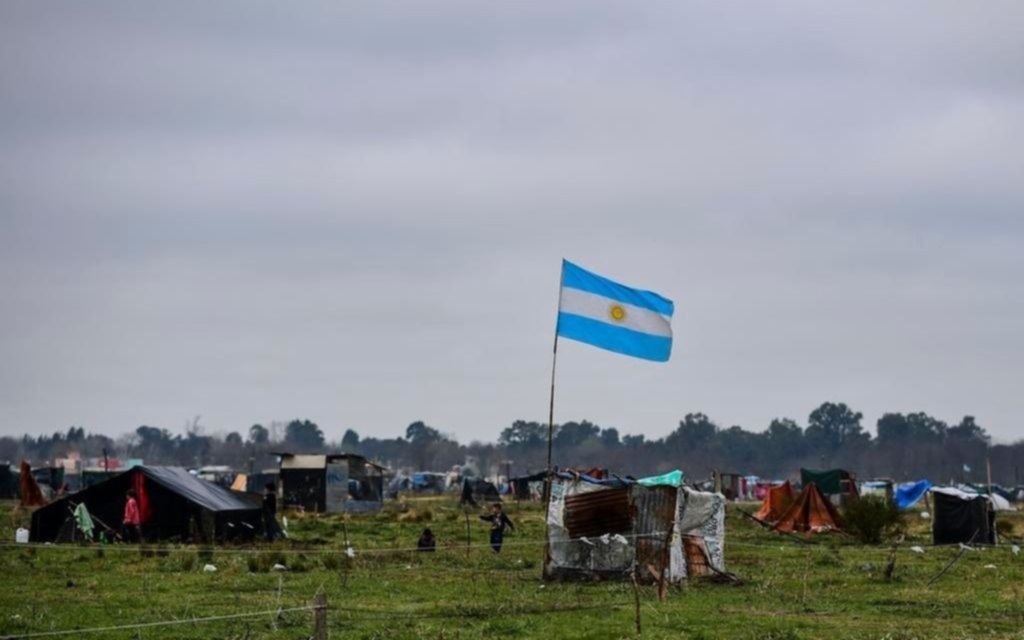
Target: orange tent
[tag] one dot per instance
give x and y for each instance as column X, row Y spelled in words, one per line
column 31, row 494
column 810, row 513
column 776, row 501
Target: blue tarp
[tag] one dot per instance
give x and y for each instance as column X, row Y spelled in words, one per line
column 907, row 495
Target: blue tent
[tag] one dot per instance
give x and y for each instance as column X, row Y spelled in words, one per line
column 907, row 495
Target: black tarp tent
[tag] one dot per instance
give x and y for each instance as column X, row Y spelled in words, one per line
column 962, row 517
column 520, row 486
column 8, row 482
column 479, row 490
column 181, row 506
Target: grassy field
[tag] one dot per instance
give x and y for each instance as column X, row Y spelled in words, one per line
column 834, row 589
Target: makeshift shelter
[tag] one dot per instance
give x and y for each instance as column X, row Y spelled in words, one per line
column 838, row 484
column 174, row 506
column 332, row 483
column 428, row 482
column 606, row 529
column 478, row 490
column 961, row 517
column 96, row 476
column 30, row 492
column 909, row 494
column 811, row 512
column 881, row 488
column 529, row 487
column 8, row 482
column 776, row 501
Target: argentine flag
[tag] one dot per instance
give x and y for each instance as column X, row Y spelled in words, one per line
column 612, row 316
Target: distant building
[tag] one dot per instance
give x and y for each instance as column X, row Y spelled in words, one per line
column 332, row 483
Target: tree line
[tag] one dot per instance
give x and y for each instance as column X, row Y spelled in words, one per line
column 904, row 447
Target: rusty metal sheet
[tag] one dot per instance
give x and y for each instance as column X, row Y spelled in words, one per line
column 654, row 510
column 596, row 513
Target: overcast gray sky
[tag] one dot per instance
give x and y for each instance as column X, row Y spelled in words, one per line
column 356, row 213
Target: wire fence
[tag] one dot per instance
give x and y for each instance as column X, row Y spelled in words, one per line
column 350, row 614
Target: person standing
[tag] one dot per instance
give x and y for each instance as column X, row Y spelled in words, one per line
column 427, row 542
column 499, row 521
column 270, row 511
column 132, row 521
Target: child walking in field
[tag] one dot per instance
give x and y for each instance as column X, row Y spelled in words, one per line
column 499, row 521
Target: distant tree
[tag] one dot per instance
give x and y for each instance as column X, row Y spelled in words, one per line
column 968, row 430
column 350, row 441
column 419, row 433
column 424, row 442
column 524, row 434
column 633, row 441
column 233, row 439
column 833, row 425
column 924, row 428
column 258, row 434
column 695, row 431
column 304, row 435
column 610, row 437
column 572, row 434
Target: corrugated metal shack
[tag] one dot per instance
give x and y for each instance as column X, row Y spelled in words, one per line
column 604, row 529
column 333, row 483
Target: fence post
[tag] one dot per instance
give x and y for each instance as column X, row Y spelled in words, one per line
column 320, row 616
column 636, row 599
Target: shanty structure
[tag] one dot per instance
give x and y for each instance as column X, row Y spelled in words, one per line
column 477, row 490
column 810, row 512
column 777, row 501
column 838, row 484
column 8, row 482
column 657, row 527
column 962, row 517
column 529, row 487
column 174, row 506
column 883, row 488
column 29, row 491
column 332, row 483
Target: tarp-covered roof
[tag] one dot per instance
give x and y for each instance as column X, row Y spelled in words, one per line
column 205, row 494
column 907, row 495
column 829, row 481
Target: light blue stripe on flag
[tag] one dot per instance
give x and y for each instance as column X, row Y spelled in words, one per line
column 606, row 314
column 576, row 277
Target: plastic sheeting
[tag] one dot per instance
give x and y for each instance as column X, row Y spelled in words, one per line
column 907, row 495
column 962, row 517
column 671, row 479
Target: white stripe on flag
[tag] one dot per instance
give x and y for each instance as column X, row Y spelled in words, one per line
column 600, row 308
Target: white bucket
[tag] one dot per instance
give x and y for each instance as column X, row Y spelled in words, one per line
column 21, row 536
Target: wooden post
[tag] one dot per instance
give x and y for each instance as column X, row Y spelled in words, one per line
column 467, row 533
column 346, row 561
column 320, row 616
column 636, row 600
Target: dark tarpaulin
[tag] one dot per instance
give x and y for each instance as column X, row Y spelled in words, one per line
column 962, row 519
column 205, row 494
column 829, row 481
column 183, row 507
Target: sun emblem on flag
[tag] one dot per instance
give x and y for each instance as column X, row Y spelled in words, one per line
column 617, row 312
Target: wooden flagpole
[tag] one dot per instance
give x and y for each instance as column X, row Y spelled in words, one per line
column 550, row 476
column 551, row 403
column 554, row 361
